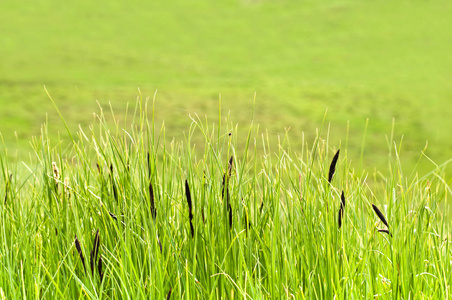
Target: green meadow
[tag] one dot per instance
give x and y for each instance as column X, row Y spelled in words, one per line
column 375, row 60
column 225, row 150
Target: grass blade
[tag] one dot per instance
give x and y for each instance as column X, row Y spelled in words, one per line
column 7, row 187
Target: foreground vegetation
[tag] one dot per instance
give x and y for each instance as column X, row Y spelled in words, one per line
column 126, row 214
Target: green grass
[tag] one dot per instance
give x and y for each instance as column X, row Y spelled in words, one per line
column 283, row 241
column 360, row 59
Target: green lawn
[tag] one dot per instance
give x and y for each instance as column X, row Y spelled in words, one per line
column 360, row 59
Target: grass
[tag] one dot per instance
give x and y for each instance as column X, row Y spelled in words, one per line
column 360, row 59
column 80, row 222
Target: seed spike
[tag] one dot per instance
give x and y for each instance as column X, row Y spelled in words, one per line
column 115, row 191
column 225, row 190
column 343, row 200
column 341, row 210
column 190, row 208
column 95, row 251
column 151, row 198
column 380, row 215
column 339, row 218
column 333, row 166
column 79, row 250
column 113, row 215
column 231, row 159
column 169, row 295
column 385, row 231
column 99, row 268
column 149, row 165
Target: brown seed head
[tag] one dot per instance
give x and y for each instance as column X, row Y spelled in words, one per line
column 333, row 166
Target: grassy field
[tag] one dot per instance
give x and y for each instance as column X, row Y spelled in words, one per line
column 125, row 215
column 358, row 59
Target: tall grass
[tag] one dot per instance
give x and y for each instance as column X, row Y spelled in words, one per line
column 169, row 219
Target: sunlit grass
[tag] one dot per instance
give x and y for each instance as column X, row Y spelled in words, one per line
column 263, row 225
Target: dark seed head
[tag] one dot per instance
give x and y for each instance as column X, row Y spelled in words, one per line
column 333, row 166
column 113, row 215
column 380, row 215
column 339, row 218
column 151, row 198
column 149, row 165
column 190, row 208
column 343, row 200
column 79, row 250
column 385, row 231
column 169, row 295
column 113, row 185
column 95, row 251
column 99, row 268
column 231, row 159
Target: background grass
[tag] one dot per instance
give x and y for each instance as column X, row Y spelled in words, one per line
column 360, row 59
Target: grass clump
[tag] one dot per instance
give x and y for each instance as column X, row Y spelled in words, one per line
column 259, row 228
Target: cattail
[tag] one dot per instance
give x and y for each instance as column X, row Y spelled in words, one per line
column 190, row 208
column 333, row 166
column 151, row 198
column 380, row 215
column 94, row 251
column 98, row 168
column 7, row 187
column 169, row 295
column 113, row 185
column 79, row 250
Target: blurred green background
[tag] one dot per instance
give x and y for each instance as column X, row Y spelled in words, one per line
column 360, row 59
